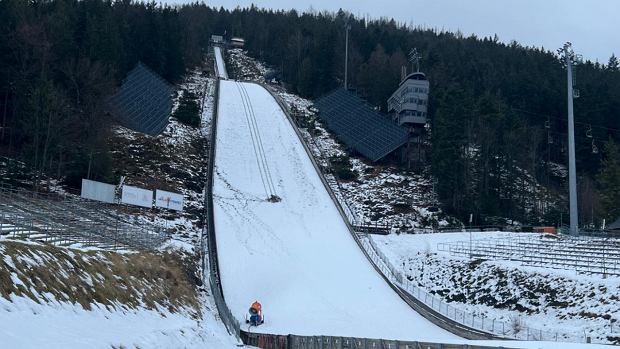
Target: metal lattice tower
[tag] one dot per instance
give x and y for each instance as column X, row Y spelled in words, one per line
column 415, row 57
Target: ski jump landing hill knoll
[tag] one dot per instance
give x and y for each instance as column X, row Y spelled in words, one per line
column 281, row 239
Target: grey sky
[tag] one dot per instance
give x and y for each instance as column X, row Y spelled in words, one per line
column 591, row 25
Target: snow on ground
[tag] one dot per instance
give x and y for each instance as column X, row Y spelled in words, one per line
column 381, row 194
column 556, row 301
column 174, row 161
column 67, row 298
column 55, row 321
column 244, row 67
column 296, row 256
column 25, row 323
column 219, row 62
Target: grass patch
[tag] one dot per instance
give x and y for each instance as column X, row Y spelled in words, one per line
column 144, row 279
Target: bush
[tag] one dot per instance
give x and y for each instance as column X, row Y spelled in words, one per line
column 342, row 167
column 516, row 324
column 188, row 111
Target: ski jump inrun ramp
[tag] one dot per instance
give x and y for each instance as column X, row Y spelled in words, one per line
column 296, row 256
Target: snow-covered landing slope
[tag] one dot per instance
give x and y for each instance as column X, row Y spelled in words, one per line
column 219, row 63
column 295, row 256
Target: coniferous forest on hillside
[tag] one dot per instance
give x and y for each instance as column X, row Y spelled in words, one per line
column 497, row 109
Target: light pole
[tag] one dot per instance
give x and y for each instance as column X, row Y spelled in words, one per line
column 347, row 27
column 471, row 218
column 569, row 58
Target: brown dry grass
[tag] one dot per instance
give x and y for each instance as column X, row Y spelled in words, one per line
column 145, row 279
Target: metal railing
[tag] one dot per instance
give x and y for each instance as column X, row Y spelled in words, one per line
column 210, row 259
column 271, row 341
column 471, row 324
column 66, row 220
column 515, row 329
column 585, row 254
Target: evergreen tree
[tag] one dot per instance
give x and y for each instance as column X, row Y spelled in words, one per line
column 188, row 111
column 613, row 64
column 609, row 181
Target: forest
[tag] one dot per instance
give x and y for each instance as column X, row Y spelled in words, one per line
column 497, row 109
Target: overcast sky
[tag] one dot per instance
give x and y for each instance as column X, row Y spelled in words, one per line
column 593, row 26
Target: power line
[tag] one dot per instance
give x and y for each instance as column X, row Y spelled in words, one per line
column 548, row 116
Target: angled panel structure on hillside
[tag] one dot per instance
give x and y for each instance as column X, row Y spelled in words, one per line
column 143, row 102
column 359, row 126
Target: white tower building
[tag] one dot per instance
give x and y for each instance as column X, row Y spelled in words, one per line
column 409, row 103
column 408, row 106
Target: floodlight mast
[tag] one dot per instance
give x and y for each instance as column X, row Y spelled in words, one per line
column 569, row 59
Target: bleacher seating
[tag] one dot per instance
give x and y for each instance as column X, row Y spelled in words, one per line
column 359, row 126
column 72, row 221
column 587, row 254
column 144, row 101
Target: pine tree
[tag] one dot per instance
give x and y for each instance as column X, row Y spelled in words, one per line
column 188, row 111
column 609, row 181
column 613, row 64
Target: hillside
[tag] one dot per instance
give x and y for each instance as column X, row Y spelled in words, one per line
column 553, row 302
column 72, row 298
column 153, row 299
column 505, row 100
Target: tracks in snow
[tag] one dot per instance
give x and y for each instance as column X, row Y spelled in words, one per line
column 257, row 142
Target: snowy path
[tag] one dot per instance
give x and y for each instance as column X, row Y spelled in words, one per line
column 296, row 256
column 219, row 62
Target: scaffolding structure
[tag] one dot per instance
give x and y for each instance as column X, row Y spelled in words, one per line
column 64, row 220
column 583, row 254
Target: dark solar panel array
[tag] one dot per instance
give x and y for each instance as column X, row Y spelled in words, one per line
column 358, row 126
column 144, row 101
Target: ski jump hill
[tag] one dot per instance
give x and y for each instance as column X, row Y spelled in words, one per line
column 293, row 253
column 280, row 238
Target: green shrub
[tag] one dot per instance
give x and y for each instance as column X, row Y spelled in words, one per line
column 341, row 166
column 188, row 111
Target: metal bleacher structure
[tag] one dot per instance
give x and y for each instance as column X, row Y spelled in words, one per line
column 584, row 254
column 360, row 127
column 143, row 102
column 66, row 220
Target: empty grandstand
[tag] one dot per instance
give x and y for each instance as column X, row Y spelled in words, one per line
column 144, row 101
column 72, row 221
column 359, row 126
column 586, row 254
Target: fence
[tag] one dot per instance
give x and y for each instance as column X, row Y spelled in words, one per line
column 586, row 254
column 269, row 341
column 470, row 323
column 66, row 220
column 350, row 218
column 209, row 244
column 514, row 329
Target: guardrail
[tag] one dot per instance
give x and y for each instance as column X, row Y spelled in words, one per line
column 209, row 242
column 515, row 329
column 585, row 254
column 349, row 216
column 442, row 314
column 271, row 341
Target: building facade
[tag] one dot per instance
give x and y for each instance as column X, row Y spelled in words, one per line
column 408, row 107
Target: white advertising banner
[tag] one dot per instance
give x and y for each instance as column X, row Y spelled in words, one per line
column 98, row 191
column 137, row 196
column 166, row 199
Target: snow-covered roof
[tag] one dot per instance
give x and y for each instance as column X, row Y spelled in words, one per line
column 359, row 126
